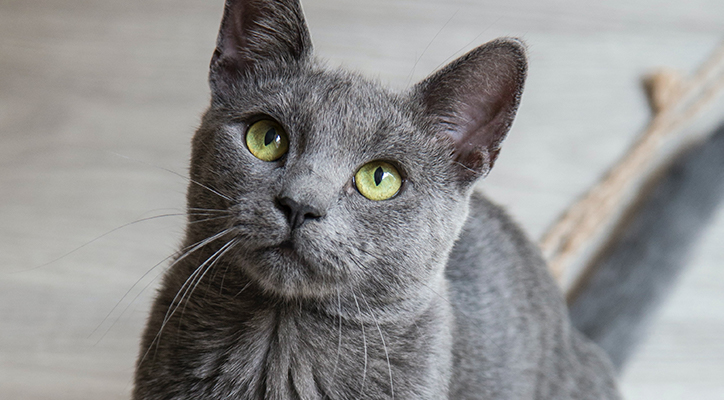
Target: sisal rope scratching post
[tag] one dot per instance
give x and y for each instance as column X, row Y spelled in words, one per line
column 675, row 101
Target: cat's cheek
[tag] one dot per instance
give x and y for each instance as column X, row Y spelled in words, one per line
column 259, row 227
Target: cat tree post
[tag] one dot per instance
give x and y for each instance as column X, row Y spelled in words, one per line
column 675, row 102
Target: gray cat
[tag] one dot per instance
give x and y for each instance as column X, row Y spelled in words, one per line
column 335, row 246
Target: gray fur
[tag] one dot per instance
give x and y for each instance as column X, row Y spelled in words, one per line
column 513, row 339
column 431, row 294
column 640, row 266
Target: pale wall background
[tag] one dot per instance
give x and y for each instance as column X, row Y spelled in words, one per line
column 98, row 98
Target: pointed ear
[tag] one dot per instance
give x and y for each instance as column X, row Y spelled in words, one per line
column 473, row 100
column 257, row 33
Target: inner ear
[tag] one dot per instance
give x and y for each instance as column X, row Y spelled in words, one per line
column 473, row 102
column 257, row 34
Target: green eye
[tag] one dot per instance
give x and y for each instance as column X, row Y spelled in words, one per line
column 267, row 140
column 378, row 180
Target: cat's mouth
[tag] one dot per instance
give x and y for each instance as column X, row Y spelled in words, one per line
column 288, row 249
column 287, row 245
column 284, row 269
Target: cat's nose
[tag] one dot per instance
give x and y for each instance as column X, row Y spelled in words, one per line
column 296, row 212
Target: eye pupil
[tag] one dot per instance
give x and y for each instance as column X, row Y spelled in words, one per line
column 379, row 173
column 271, row 134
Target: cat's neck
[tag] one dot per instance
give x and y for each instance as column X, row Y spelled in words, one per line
column 303, row 346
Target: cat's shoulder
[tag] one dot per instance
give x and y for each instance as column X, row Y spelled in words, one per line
column 490, row 224
column 493, row 246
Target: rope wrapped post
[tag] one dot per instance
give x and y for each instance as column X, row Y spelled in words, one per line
column 675, row 102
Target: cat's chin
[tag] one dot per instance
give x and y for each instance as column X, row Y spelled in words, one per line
column 285, row 271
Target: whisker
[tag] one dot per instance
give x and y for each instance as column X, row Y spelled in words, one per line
column 190, row 281
column 225, row 249
column 128, row 306
column 170, row 313
column 118, row 303
column 412, row 73
column 242, row 290
column 223, row 278
column 198, row 221
column 98, row 238
column 175, row 173
column 364, row 343
column 475, row 39
column 199, row 213
column 217, row 210
column 187, row 251
column 339, row 335
column 420, row 281
column 428, row 287
column 384, row 346
column 227, row 198
column 465, row 166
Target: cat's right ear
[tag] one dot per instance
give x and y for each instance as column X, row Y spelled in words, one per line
column 257, row 34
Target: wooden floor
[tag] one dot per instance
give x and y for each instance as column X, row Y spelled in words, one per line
column 99, row 99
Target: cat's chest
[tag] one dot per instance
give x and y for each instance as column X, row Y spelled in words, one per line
column 270, row 355
column 286, row 354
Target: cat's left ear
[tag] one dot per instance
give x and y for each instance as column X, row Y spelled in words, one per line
column 257, row 34
column 473, row 101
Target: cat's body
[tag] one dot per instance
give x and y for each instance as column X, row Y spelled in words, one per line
column 497, row 330
column 297, row 281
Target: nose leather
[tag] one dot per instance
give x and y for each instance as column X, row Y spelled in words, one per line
column 298, row 213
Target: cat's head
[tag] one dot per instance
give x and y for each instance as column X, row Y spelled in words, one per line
column 332, row 180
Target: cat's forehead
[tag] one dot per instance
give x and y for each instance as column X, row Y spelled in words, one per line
column 338, row 103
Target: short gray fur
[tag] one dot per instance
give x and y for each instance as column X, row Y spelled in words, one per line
column 432, row 294
column 638, row 269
